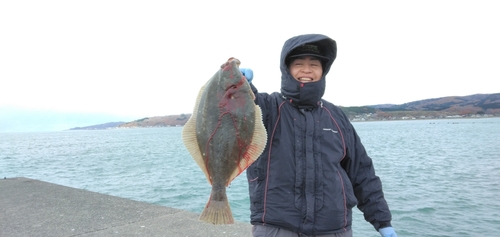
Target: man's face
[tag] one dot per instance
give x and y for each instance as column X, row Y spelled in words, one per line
column 306, row 69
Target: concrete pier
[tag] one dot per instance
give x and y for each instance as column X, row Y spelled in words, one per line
column 35, row 208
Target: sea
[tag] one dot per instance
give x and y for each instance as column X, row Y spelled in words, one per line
column 440, row 177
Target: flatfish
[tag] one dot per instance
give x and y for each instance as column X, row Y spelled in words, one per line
column 224, row 135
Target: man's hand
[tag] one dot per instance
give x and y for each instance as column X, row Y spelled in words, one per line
column 387, row 232
column 248, row 73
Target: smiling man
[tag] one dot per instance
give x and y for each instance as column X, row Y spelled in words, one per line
column 306, row 69
column 306, row 63
column 314, row 168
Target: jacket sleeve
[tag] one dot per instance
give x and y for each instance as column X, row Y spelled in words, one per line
column 366, row 184
column 263, row 100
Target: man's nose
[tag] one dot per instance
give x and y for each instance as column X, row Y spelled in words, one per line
column 306, row 68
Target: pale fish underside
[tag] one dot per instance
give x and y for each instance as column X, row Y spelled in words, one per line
column 224, row 135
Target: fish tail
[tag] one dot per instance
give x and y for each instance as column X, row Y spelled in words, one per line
column 217, row 212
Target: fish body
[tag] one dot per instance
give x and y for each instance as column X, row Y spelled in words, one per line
column 224, row 135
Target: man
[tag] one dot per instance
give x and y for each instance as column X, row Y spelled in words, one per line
column 314, row 169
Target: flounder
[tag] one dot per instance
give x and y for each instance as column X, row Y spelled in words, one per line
column 224, row 135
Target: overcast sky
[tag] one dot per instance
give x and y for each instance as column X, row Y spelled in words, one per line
column 149, row 58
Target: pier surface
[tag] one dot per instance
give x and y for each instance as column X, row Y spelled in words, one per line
column 35, row 208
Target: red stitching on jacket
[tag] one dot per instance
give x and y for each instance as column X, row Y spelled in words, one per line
column 338, row 172
column 345, row 200
column 269, row 161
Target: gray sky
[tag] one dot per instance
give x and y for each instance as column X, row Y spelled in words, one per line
column 149, row 58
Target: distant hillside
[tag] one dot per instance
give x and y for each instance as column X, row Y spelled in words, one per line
column 444, row 107
column 99, row 126
column 159, row 121
column 478, row 105
column 472, row 104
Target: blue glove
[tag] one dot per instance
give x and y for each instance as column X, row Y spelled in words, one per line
column 248, row 73
column 387, row 232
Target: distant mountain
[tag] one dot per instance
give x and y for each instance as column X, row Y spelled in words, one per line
column 99, row 126
column 472, row 105
column 160, row 121
column 478, row 105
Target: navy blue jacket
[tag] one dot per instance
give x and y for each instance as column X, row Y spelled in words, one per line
column 314, row 169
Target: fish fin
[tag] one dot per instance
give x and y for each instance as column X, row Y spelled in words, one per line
column 217, row 212
column 189, row 138
column 256, row 147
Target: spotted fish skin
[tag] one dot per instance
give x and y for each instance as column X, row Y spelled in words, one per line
column 224, row 135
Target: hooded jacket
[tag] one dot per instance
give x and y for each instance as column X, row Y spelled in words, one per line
column 314, row 169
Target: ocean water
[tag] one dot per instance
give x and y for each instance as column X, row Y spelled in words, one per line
column 440, row 177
